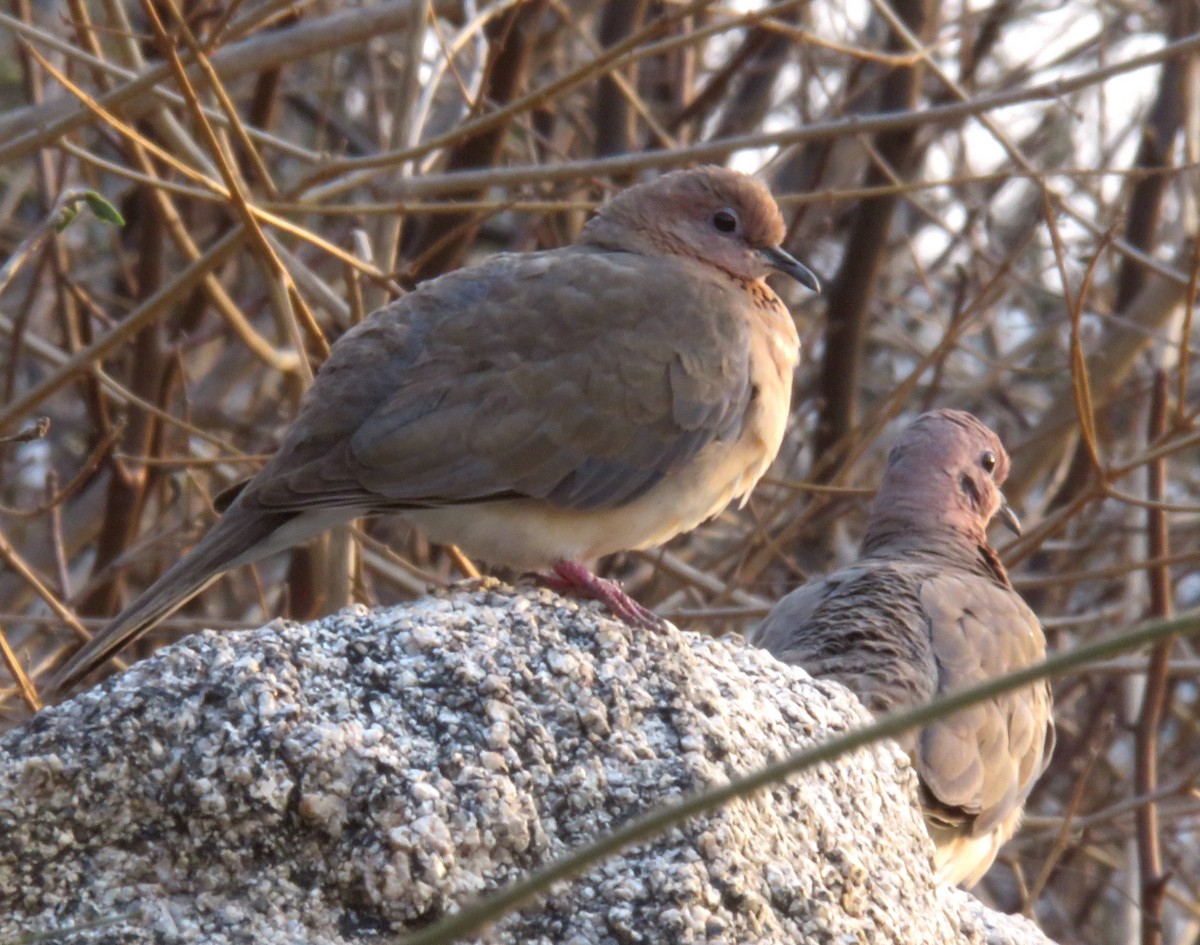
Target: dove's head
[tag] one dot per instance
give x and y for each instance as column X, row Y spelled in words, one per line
column 721, row 218
column 943, row 478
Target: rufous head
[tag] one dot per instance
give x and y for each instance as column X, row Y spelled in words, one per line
column 717, row 216
column 944, row 475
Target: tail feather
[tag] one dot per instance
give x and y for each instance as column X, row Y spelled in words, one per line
column 234, row 540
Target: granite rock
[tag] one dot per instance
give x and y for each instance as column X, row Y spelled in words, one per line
column 329, row 782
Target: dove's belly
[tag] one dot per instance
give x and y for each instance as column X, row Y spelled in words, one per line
column 532, row 533
column 961, row 858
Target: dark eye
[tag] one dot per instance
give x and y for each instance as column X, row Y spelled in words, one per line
column 725, row 221
column 988, row 461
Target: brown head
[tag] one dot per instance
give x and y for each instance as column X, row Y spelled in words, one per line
column 942, row 483
column 711, row 214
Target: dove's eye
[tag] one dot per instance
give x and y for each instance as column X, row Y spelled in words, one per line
column 988, row 462
column 725, row 221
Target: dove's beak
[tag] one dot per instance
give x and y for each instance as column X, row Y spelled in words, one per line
column 788, row 264
column 1008, row 517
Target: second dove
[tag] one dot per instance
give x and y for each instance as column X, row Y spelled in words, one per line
column 928, row 608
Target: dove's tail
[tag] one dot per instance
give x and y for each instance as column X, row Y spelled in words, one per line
column 236, row 539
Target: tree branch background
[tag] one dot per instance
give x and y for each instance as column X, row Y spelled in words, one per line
column 1001, row 199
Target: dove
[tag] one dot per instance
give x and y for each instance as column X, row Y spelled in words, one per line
column 928, row 608
column 541, row 408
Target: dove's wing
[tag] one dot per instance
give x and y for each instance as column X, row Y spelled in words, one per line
column 553, row 376
column 979, row 765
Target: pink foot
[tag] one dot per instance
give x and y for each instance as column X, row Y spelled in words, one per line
column 572, row 577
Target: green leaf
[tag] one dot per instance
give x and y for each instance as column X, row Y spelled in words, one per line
column 102, row 208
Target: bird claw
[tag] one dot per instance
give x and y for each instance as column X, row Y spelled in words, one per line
column 570, row 577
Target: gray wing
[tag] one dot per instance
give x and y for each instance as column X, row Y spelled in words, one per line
column 862, row 626
column 980, row 764
column 783, row 629
column 577, row 376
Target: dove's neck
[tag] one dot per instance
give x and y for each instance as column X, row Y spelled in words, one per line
column 893, row 537
column 925, row 519
column 618, row 235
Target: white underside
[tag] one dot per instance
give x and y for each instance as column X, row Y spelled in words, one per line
column 960, row 859
column 530, row 534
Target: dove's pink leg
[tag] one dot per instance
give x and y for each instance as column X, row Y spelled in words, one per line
column 573, row 577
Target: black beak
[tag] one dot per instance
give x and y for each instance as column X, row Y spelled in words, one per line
column 1009, row 518
column 785, row 262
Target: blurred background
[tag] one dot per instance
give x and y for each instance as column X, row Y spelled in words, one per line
column 1001, row 199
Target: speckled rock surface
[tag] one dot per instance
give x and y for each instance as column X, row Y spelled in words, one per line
column 330, row 782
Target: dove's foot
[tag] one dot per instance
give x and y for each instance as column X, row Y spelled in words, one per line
column 571, row 577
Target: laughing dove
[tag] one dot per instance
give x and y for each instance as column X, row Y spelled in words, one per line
column 928, row 608
column 539, row 408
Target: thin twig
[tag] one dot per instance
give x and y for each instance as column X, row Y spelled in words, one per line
column 1150, row 868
